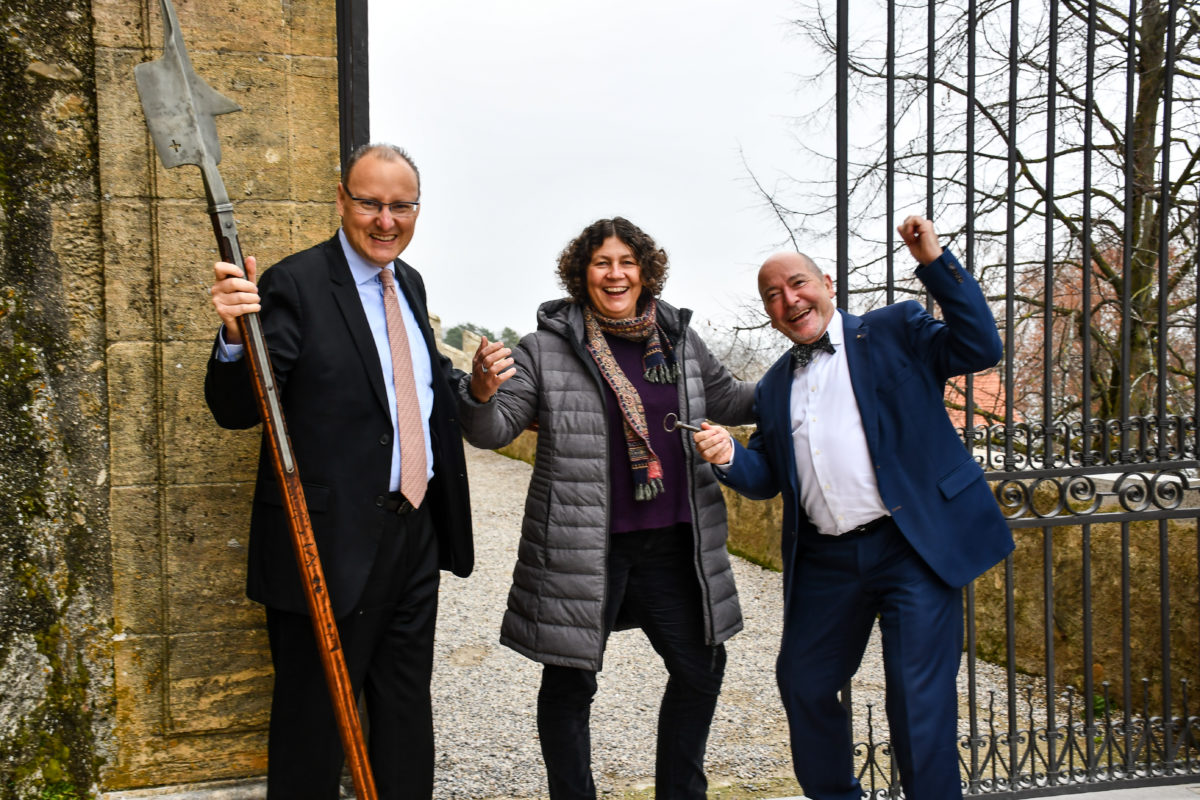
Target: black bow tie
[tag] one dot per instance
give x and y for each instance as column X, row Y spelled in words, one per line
column 803, row 353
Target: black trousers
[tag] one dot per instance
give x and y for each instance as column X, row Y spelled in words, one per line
column 652, row 578
column 388, row 644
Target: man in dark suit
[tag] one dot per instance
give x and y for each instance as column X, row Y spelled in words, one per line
column 352, row 364
column 886, row 515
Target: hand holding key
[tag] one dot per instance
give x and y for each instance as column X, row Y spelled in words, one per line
column 713, row 442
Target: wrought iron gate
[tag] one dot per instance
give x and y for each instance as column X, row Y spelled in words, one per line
column 1057, row 144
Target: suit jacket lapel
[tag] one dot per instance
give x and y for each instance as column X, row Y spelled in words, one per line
column 780, row 379
column 862, row 376
column 345, row 294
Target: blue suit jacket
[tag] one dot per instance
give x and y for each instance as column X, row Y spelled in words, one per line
column 900, row 358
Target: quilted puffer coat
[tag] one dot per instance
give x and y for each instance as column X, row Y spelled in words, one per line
column 555, row 606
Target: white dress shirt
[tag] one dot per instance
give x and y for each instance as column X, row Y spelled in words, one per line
column 370, row 293
column 834, row 466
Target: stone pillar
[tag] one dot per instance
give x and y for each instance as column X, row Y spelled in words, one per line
column 191, row 675
column 56, row 710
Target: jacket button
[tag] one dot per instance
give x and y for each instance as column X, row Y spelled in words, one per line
column 386, row 439
column 379, row 501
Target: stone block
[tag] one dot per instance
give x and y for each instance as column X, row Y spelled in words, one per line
column 146, row 753
column 265, row 232
column 755, row 528
column 133, row 413
column 313, row 28
column 226, row 25
column 187, row 250
column 119, row 23
column 75, row 238
column 128, row 271
column 136, row 541
column 138, row 683
column 313, row 223
column 219, row 681
column 313, row 129
column 206, row 533
column 125, row 150
column 186, row 759
column 197, row 450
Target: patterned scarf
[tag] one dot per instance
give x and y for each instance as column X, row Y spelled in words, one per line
column 658, row 365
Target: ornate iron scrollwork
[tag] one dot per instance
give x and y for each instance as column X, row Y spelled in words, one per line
column 1113, row 493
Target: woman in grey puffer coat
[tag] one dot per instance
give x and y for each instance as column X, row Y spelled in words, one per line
column 624, row 522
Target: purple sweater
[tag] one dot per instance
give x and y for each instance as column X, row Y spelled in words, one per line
column 658, row 400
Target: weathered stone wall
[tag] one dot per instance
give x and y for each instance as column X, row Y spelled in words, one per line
column 56, row 708
column 1145, row 565
column 192, row 676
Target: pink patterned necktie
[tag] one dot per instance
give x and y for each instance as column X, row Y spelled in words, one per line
column 413, row 469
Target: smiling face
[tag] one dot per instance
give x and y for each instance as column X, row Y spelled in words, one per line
column 381, row 238
column 796, row 296
column 614, row 280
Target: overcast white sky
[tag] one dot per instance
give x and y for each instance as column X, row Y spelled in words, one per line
column 529, row 119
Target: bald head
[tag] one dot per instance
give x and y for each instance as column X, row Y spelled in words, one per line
column 789, row 262
column 796, row 296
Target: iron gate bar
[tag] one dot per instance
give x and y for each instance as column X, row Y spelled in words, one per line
column 1164, row 208
column 1089, row 678
column 1047, row 388
column 1010, row 216
column 1125, row 518
column 1130, row 182
column 930, row 72
column 1086, row 267
column 1109, row 469
column 890, row 150
column 843, row 215
column 974, row 781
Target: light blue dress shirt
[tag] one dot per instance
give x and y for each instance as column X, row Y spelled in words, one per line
column 370, row 293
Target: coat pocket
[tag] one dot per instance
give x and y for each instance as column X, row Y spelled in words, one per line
column 959, row 478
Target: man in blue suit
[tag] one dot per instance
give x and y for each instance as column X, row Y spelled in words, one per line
column 886, row 514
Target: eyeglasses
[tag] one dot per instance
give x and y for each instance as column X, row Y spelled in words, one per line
column 373, row 208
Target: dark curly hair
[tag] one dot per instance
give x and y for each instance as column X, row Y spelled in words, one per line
column 574, row 259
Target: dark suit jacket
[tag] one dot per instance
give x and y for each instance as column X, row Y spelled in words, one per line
column 900, row 358
column 335, row 404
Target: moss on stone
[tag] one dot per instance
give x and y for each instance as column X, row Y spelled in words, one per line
column 53, row 571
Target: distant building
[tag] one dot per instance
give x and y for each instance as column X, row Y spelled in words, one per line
column 988, row 399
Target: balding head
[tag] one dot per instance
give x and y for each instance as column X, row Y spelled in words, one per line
column 796, row 296
column 789, row 262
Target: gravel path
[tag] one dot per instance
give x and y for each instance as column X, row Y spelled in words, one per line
column 485, row 694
